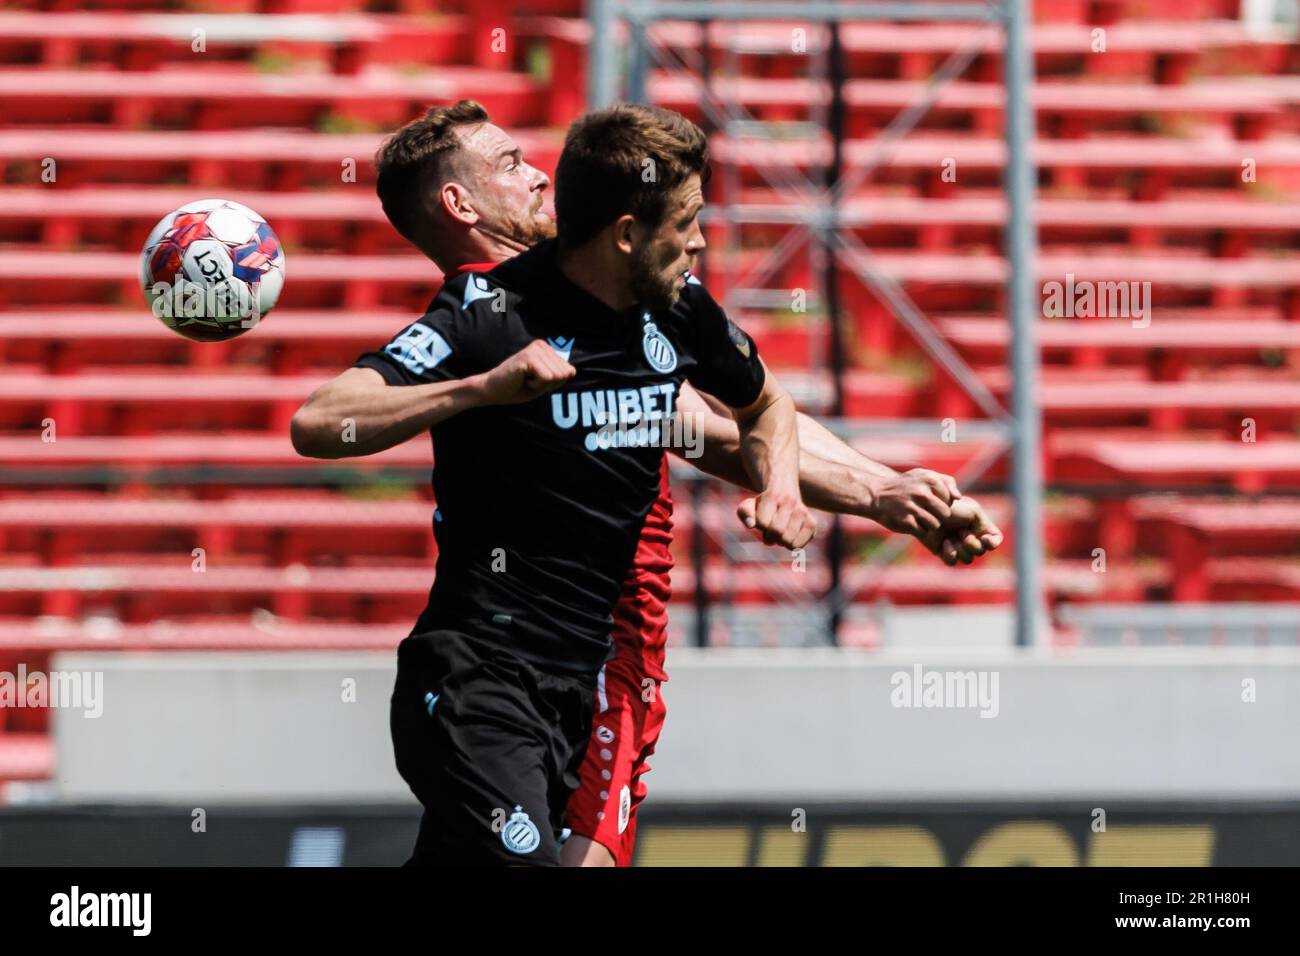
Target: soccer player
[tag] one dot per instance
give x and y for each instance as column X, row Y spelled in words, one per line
column 546, row 384
column 458, row 188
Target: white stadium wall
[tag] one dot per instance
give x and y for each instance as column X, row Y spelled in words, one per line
column 803, row 726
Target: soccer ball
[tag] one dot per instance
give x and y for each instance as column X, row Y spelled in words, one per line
column 212, row 269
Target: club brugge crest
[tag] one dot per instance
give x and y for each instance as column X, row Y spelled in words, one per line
column 659, row 352
column 520, row 833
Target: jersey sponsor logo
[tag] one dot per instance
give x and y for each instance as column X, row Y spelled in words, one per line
column 476, row 288
column 624, row 808
column 622, row 417
column 520, row 833
column 562, row 346
column 738, row 338
column 659, row 352
column 419, row 348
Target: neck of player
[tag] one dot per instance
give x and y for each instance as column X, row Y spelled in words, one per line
column 600, row 272
column 475, row 246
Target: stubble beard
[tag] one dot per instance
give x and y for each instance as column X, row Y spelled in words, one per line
column 649, row 287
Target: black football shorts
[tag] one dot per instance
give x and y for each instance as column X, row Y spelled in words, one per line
column 490, row 745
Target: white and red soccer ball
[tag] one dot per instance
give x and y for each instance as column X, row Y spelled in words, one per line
column 212, row 269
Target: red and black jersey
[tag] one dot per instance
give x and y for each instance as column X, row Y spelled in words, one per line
column 541, row 505
column 641, row 615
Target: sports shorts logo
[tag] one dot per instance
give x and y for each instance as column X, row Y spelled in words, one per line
column 520, row 833
column 659, row 352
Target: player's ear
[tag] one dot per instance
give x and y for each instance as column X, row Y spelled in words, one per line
column 626, row 233
column 456, row 202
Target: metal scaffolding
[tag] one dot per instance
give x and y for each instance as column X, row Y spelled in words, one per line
column 819, row 217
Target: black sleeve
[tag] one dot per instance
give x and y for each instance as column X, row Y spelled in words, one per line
column 727, row 366
column 454, row 338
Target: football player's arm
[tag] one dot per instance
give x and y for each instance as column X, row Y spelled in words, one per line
column 360, row 413
column 836, row 478
column 925, row 504
column 833, row 475
column 829, row 485
column 769, row 445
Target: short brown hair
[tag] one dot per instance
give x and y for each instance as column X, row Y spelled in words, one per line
column 601, row 172
column 418, row 155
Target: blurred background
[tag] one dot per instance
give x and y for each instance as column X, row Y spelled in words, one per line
column 896, row 190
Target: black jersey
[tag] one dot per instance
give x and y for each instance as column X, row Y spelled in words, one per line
column 540, row 504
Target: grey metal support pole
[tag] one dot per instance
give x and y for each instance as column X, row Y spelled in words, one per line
column 831, row 283
column 699, row 556
column 1026, row 476
column 638, row 66
column 602, row 70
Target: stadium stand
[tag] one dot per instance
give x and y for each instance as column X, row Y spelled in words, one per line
column 1170, row 438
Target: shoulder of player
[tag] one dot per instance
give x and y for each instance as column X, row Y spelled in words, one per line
column 693, row 305
column 699, row 318
column 694, row 298
column 479, row 297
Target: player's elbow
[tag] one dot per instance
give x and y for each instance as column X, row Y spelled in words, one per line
column 307, row 435
column 772, row 397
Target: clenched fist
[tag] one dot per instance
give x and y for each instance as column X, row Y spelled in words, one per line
column 915, row 502
column 964, row 535
column 532, row 371
column 781, row 518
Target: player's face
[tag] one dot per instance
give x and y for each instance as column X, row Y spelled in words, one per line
column 508, row 191
column 662, row 258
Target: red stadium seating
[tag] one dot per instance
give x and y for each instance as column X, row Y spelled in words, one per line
column 1144, row 167
column 25, row 756
column 1163, row 51
column 1249, row 112
column 1247, row 467
column 1173, row 158
column 138, row 41
column 1193, row 531
column 249, row 159
column 213, row 634
column 1217, row 225
column 209, row 99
